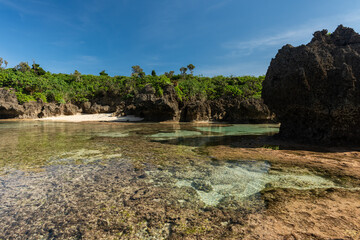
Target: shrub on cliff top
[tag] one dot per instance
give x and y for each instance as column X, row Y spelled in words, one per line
column 76, row 88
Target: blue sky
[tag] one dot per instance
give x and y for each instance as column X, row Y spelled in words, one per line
column 220, row 37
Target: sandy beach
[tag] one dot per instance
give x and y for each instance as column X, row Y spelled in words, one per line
column 103, row 117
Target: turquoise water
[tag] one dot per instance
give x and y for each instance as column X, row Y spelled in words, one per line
column 243, row 129
column 224, row 130
column 175, row 134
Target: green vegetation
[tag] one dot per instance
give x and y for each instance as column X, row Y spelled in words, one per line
column 35, row 83
column 273, row 147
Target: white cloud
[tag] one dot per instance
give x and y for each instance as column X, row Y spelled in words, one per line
column 301, row 34
column 267, row 41
column 236, row 69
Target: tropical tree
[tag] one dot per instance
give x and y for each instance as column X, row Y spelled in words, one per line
column 77, row 75
column 183, row 71
column 3, row 61
column 191, row 67
column 137, row 71
column 37, row 69
column 153, row 73
column 23, row 67
column 103, row 73
column 169, row 74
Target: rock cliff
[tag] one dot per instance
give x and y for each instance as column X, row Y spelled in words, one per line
column 314, row 89
column 148, row 105
column 10, row 108
column 151, row 107
column 168, row 107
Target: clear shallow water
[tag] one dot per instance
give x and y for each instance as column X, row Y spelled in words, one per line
column 242, row 129
column 77, row 171
column 222, row 130
column 240, row 181
column 213, row 135
column 35, row 145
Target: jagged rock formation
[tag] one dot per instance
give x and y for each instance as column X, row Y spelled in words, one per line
column 92, row 108
column 10, row 108
column 168, row 107
column 151, row 107
column 148, row 105
column 314, row 89
column 196, row 111
column 250, row 110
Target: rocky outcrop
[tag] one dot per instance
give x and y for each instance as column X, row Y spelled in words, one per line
column 196, row 111
column 151, row 107
column 88, row 107
column 148, row 105
column 167, row 107
column 10, row 108
column 314, row 89
column 251, row 110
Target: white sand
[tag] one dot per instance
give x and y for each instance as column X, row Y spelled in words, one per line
column 103, row 117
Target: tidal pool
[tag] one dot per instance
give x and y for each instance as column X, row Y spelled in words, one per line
column 242, row 129
column 133, row 181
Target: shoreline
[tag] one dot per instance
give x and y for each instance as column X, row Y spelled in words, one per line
column 99, row 117
column 109, row 118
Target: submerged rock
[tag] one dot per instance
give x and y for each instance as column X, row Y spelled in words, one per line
column 314, row 89
column 201, row 185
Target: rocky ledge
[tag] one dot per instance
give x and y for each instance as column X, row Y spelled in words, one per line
column 314, row 89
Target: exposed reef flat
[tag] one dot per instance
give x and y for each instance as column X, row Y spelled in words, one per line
column 119, row 181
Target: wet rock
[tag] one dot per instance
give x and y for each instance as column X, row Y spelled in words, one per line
column 314, row 89
column 201, row 185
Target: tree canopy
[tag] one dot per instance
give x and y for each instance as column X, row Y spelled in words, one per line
column 76, row 87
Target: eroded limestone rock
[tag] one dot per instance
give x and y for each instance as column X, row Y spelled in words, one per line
column 314, row 89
